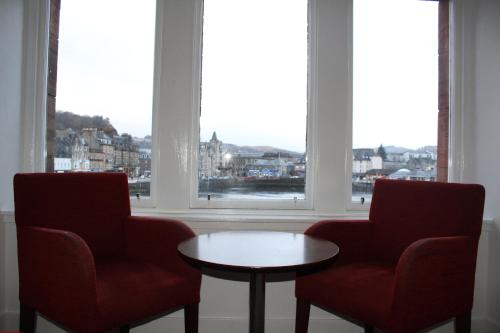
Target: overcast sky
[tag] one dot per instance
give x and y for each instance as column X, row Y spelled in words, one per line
column 105, row 65
column 254, row 75
column 395, row 73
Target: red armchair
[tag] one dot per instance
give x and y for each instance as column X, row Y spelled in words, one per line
column 409, row 267
column 91, row 267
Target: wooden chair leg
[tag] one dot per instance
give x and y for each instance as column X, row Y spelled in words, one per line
column 27, row 319
column 302, row 315
column 124, row 329
column 463, row 323
column 121, row 329
column 369, row 329
column 191, row 318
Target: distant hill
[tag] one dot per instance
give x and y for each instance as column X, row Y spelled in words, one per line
column 428, row 148
column 257, row 150
column 401, row 150
column 395, row 150
column 66, row 119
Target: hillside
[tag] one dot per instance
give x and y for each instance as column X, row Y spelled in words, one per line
column 66, row 119
column 257, row 150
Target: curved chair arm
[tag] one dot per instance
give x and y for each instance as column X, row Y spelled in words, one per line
column 155, row 240
column 434, row 279
column 351, row 236
column 56, row 273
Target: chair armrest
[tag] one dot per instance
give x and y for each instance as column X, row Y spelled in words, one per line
column 155, row 240
column 434, row 278
column 56, row 271
column 352, row 237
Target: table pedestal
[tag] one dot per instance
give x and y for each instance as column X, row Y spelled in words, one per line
column 257, row 302
column 258, row 253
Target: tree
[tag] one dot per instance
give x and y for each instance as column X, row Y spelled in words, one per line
column 382, row 153
column 77, row 122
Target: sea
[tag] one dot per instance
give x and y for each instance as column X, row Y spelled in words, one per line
column 248, row 194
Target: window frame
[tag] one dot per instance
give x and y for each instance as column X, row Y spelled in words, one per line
column 52, row 65
column 444, row 92
column 172, row 131
column 307, row 203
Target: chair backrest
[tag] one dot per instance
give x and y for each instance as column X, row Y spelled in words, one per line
column 406, row 211
column 92, row 205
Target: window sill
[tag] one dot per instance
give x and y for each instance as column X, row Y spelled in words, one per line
column 206, row 221
column 203, row 220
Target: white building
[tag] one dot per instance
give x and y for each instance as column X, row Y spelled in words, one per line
column 62, row 164
column 419, row 154
column 212, row 158
column 364, row 164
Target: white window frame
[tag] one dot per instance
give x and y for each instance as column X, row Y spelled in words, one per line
column 350, row 204
column 175, row 147
column 307, row 202
column 34, row 85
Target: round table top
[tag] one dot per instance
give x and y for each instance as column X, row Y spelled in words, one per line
column 257, row 251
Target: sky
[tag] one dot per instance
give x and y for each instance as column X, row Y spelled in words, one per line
column 105, row 62
column 255, row 75
column 395, row 73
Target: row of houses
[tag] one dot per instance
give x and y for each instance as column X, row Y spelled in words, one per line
column 216, row 162
column 368, row 164
column 90, row 149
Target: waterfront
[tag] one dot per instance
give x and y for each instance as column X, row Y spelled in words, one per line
column 249, row 194
column 142, row 187
column 239, row 194
column 357, row 198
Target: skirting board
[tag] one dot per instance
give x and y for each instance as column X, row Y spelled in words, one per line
column 491, row 326
column 175, row 324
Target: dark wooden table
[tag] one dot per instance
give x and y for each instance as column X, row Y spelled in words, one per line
column 258, row 253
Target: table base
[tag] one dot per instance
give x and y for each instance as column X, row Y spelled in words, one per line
column 257, row 302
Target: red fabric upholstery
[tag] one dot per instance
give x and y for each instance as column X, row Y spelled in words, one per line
column 91, row 205
column 404, row 212
column 85, row 263
column 411, row 265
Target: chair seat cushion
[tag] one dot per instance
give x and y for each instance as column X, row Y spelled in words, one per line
column 128, row 291
column 358, row 290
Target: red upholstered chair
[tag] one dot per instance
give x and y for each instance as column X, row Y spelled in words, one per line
column 409, row 267
column 88, row 265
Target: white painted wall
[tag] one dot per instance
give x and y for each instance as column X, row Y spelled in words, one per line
column 11, row 29
column 11, row 23
column 2, row 270
column 487, row 144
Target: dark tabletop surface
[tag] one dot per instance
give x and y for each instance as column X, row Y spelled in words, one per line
column 258, row 251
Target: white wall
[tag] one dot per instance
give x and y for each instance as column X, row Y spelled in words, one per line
column 487, row 144
column 11, row 29
column 11, row 22
column 2, row 270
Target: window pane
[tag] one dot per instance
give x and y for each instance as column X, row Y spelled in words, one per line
column 254, row 100
column 104, row 89
column 395, row 89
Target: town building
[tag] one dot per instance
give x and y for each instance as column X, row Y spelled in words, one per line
column 211, row 158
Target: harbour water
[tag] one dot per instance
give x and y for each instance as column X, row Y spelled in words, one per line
column 248, row 194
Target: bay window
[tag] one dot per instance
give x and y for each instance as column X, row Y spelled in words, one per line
column 211, row 121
